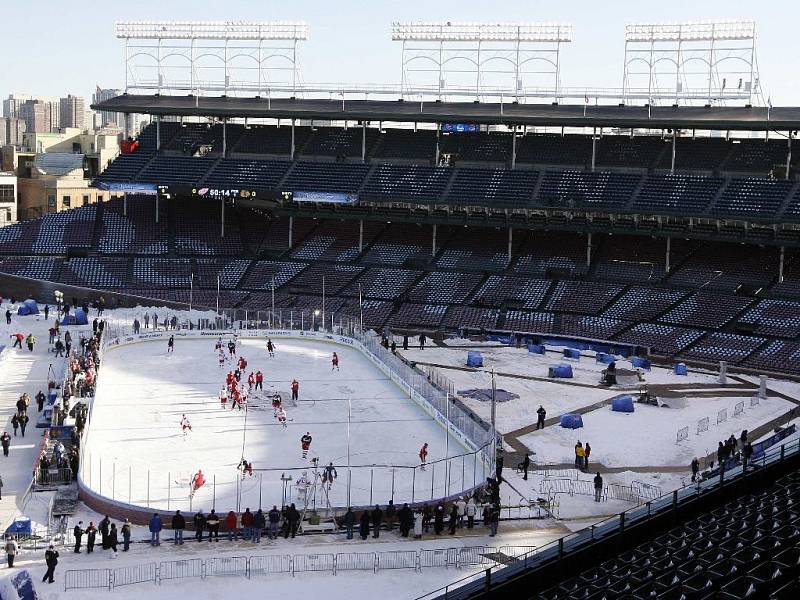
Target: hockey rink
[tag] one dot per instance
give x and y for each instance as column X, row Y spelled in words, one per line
column 136, row 452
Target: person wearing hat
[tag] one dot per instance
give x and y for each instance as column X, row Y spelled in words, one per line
column 51, row 560
column 12, row 549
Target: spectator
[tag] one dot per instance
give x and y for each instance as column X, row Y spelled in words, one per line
column 259, row 523
column 453, row 519
column 524, row 466
column 461, row 505
column 30, row 341
column 494, row 519
column 579, row 454
column 232, row 522
column 405, row 342
column 418, row 525
column 747, row 454
column 15, row 423
column 472, row 510
column 598, row 487
column 377, row 519
column 349, row 522
column 406, row 518
column 155, row 530
column 293, row 519
column 390, row 513
column 363, row 527
column 247, row 524
column 695, row 468
column 1, row 488
column 212, row 522
column 12, row 549
column 51, row 560
column 5, row 441
column 199, row 521
column 91, row 535
column 23, row 423
column 126, row 535
column 422, row 339
column 104, row 524
column 274, row 521
column 587, row 451
column 427, row 515
column 178, row 525
column 77, row 532
column 438, row 520
column 8, row 322
column 112, row 539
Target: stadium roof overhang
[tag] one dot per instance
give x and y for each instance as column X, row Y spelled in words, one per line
column 652, row 117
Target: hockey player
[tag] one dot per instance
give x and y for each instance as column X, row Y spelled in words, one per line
column 242, row 363
column 237, row 374
column 276, row 404
column 281, row 416
column 171, row 344
column 221, row 358
column 270, row 348
column 245, row 467
column 335, row 362
column 185, row 425
column 259, row 381
column 329, row 475
column 229, row 379
column 232, row 348
column 305, row 443
column 236, row 399
column 295, row 390
column 223, row 397
column 218, row 345
column 251, row 380
column 197, row 482
column 423, row 455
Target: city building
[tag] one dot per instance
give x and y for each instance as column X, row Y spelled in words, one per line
column 13, row 104
column 37, row 116
column 72, row 112
column 11, row 130
column 107, row 118
column 8, row 198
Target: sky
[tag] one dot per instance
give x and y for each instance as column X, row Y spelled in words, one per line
column 52, row 51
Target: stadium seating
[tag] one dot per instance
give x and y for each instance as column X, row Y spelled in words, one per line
column 424, row 316
column 239, row 173
column 582, row 296
column 475, row 250
column 520, row 292
column 591, row 190
column 544, row 252
column 270, row 140
column 774, row 317
column 499, row 188
column 725, row 346
column 338, row 142
column 554, row 150
column 200, row 230
column 752, row 198
column 398, row 244
column 643, row 303
column 477, row 147
column 383, row 283
column 407, row 183
column 533, row 322
column 663, row 339
column 325, row 177
column 136, row 233
column 778, row 355
column 665, row 193
column 419, row 146
column 706, row 309
column 181, row 170
column 94, row 273
column 444, row 286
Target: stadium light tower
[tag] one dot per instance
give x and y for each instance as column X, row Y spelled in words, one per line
column 504, row 57
column 210, row 56
column 695, row 61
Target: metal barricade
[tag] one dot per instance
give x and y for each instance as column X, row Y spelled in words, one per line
column 181, row 569
column 87, row 579
column 313, row 562
column 439, row 557
column 356, row 561
column 474, row 555
column 263, row 565
column 397, row 559
column 135, row 574
column 512, row 552
column 226, row 565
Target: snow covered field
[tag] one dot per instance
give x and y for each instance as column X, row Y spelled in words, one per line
column 143, row 392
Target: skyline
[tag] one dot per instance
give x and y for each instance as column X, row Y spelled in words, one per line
column 350, row 41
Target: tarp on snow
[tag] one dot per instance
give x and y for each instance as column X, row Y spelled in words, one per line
column 474, row 359
column 536, row 348
column 29, row 307
column 571, row 421
column 485, row 395
column 604, row 357
column 622, row 404
column 561, row 370
column 640, row 363
column 79, row 317
column 680, row 369
column 572, row 353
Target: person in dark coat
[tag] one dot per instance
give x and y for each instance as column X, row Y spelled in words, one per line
column 524, row 466
column 104, row 526
column 5, row 441
column 199, row 524
column 427, row 515
column 259, row 523
column 390, row 513
column 178, row 525
column 293, row 518
column 15, row 423
column 453, row 519
column 91, row 534
column 112, row 538
column 23, row 423
column 541, row 414
column 405, row 342
column 422, row 339
column 8, row 317
column 349, row 522
column 126, row 535
column 406, row 518
column 40, row 398
column 77, row 532
column 695, row 468
column 212, row 522
column 363, row 527
column 377, row 519
column 274, row 517
column 438, row 520
column 51, row 560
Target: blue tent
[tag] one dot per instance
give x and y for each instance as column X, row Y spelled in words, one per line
column 572, row 353
column 680, row 369
column 622, row 404
column 640, row 363
column 79, row 317
column 474, row 359
column 19, row 527
column 571, row 421
column 29, row 307
column 536, row 348
column 605, row 358
column 561, row 370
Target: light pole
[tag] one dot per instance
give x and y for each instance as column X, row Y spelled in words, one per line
column 191, row 293
column 493, row 455
column 286, row 479
column 314, row 319
column 349, row 472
